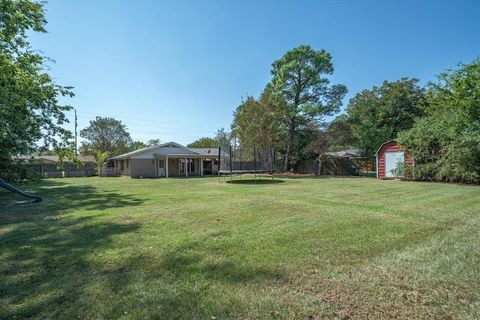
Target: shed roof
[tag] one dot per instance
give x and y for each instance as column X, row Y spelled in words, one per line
column 386, row 142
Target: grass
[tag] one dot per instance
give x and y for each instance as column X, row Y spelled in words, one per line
column 304, row 248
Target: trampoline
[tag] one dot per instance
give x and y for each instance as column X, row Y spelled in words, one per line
column 240, row 160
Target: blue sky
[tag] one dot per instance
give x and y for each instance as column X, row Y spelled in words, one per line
column 176, row 70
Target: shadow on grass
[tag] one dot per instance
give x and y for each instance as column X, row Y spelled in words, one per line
column 59, row 261
column 59, row 197
column 191, row 280
column 255, row 182
column 45, row 251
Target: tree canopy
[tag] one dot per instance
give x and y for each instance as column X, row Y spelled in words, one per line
column 31, row 116
column 259, row 122
column 379, row 114
column 445, row 143
column 223, row 138
column 299, row 76
column 106, row 135
column 153, row 142
column 204, row 142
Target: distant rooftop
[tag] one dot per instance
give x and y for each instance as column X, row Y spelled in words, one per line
column 349, row 153
column 55, row 158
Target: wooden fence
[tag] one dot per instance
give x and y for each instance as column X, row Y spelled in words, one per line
column 336, row 166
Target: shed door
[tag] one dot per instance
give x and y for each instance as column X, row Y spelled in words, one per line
column 392, row 159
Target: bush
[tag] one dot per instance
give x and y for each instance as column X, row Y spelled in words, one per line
column 445, row 144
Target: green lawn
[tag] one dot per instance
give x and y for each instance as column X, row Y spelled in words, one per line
column 302, row 248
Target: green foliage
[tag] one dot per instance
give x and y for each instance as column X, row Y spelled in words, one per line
column 31, row 117
column 299, row 76
column 223, row 138
column 153, row 142
column 67, row 154
column 105, row 134
column 100, row 160
column 445, row 144
column 399, row 170
column 259, row 122
column 340, row 134
column 379, row 114
column 135, row 145
column 204, row 142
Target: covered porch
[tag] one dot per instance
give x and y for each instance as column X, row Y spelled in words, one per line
column 187, row 165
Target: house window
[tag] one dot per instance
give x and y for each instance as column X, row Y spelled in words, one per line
column 128, row 163
column 161, row 164
column 122, row 165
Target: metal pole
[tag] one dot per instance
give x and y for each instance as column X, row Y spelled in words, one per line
column 230, row 162
column 272, row 159
column 240, row 164
column 255, row 163
column 219, row 162
column 76, row 125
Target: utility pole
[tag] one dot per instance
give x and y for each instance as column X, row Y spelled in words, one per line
column 76, row 148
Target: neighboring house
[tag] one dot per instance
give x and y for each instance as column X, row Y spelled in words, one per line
column 392, row 161
column 48, row 166
column 166, row 160
column 350, row 153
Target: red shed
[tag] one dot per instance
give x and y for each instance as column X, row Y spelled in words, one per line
column 389, row 155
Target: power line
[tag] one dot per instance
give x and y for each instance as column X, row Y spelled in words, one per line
column 149, row 120
column 85, row 122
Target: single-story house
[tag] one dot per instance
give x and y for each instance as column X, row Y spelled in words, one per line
column 48, row 166
column 166, row 160
column 392, row 160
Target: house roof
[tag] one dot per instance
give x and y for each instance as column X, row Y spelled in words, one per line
column 206, row 151
column 54, row 159
column 171, row 148
column 350, row 153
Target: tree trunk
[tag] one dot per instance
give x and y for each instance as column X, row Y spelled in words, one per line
column 290, row 147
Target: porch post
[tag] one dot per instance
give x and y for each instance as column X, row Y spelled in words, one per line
column 186, row 167
column 201, row 166
column 166, row 166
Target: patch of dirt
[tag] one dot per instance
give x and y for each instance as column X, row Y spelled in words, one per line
column 215, row 183
column 293, row 174
column 371, row 293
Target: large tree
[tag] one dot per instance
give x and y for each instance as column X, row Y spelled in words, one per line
column 340, row 134
column 299, row 76
column 31, row 117
column 445, row 143
column 204, row 142
column 106, row 135
column 258, row 122
column 153, row 142
column 379, row 114
column 136, row 144
column 223, row 138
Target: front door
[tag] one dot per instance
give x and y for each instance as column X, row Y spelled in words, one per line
column 392, row 161
column 161, row 167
